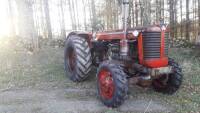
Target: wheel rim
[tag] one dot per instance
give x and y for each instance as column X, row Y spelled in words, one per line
column 106, row 84
column 161, row 82
column 71, row 59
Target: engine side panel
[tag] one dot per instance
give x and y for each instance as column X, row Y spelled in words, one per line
column 110, row 35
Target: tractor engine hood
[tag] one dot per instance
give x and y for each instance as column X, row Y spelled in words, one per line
column 152, row 28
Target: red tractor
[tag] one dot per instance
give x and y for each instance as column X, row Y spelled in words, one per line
column 137, row 54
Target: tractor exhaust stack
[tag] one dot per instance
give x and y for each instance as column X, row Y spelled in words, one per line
column 124, row 43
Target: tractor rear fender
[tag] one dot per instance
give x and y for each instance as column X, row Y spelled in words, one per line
column 86, row 35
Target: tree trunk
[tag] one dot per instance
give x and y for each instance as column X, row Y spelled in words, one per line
column 146, row 13
column 136, row 12
column 12, row 26
column 129, row 13
column 181, row 26
column 141, row 12
column 171, row 13
column 199, row 17
column 84, row 14
column 187, row 21
column 193, row 19
column 26, row 26
column 93, row 14
column 175, row 19
column 115, row 16
column 162, row 9
column 133, row 14
column 47, row 18
column 72, row 14
column 76, row 13
column 157, row 10
column 42, row 20
column 63, row 33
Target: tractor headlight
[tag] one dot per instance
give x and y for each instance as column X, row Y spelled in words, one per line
column 163, row 28
column 94, row 36
column 135, row 33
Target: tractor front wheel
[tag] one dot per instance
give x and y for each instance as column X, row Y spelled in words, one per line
column 112, row 84
column 169, row 84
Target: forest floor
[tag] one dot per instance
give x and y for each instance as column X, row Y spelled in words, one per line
column 36, row 83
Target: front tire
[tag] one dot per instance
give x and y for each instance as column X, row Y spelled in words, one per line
column 77, row 57
column 112, row 84
column 169, row 84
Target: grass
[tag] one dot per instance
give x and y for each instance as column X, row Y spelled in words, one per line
column 188, row 98
column 20, row 68
column 44, row 69
column 23, row 69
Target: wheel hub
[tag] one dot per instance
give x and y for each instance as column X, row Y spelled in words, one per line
column 106, row 84
column 161, row 82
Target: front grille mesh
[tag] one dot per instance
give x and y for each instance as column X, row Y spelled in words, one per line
column 166, row 43
column 152, row 44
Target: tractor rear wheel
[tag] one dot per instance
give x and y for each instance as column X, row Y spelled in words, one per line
column 169, row 84
column 112, row 84
column 77, row 57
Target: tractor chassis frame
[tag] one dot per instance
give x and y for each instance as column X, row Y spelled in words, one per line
column 143, row 76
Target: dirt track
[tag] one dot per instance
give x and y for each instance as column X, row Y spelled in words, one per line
column 56, row 101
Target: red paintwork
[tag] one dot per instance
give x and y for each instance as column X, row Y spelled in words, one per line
column 119, row 34
column 156, row 63
column 109, row 36
column 106, row 84
column 153, row 63
column 140, row 49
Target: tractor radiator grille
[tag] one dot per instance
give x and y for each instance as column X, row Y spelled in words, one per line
column 152, row 44
column 166, row 43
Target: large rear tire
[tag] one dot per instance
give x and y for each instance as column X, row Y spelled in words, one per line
column 112, row 84
column 77, row 57
column 169, row 84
